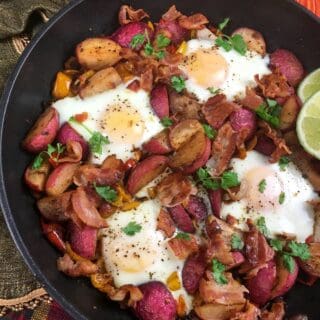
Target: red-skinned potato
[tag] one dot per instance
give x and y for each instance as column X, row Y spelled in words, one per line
column 260, row 286
column 288, row 64
column 61, row 178
column 36, row 179
column 196, row 208
column 181, row 218
column 159, row 101
column 253, row 39
column 159, row 144
column 285, row 279
column 289, row 113
column 43, row 131
column 83, row 240
column 215, row 197
column 145, row 172
column 98, row 53
column 244, row 119
column 172, row 30
column 157, row 302
column 67, row 133
column 312, row 265
column 265, row 145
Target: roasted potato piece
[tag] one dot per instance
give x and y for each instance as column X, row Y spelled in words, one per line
column 43, row 131
column 181, row 218
column 36, row 179
column 244, row 119
column 289, row 113
column 159, row 144
column 98, row 53
column 103, row 80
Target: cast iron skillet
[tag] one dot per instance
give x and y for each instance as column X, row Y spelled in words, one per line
column 283, row 23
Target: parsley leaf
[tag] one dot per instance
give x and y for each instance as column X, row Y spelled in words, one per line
column 288, row 262
column 148, row 49
column 270, row 112
column 236, row 242
column 106, row 192
column 132, row 228
column 207, row 181
column 276, row 244
column 162, row 41
column 261, row 225
column 166, row 122
column 183, row 235
column 212, row 90
column 300, row 250
column 51, row 150
column 96, row 142
column 282, row 197
column 283, row 163
column 178, row 83
column 262, row 185
column 209, row 131
column 239, row 44
column 229, row 179
column 224, row 43
column 223, row 24
column 137, row 40
column 160, row 54
column 38, row 161
column 218, row 270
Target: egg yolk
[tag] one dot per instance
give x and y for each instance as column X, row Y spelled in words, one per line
column 206, row 67
column 123, row 124
column 263, row 189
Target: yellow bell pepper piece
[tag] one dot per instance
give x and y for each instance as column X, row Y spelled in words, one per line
column 150, row 25
column 173, row 281
column 61, row 88
column 182, row 48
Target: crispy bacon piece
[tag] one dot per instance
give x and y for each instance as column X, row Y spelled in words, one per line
column 85, row 209
column 217, row 109
column 281, row 147
column 171, row 14
column 196, row 208
column 212, row 292
column 76, row 269
column 165, row 223
column 182, row 219
column 128, row 14
column 183, row 247
column 54, row 232
column 216, row 311
column 223, row 148
column 277, row 312
column 72, row 154
column 195, row 22
column 251, row 100
column 146, row 80
column 274, row 85
column 174, row 189
column 251, row 312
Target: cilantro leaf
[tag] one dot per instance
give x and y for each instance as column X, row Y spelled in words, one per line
column 288, row 262
column 148, row 49
column 38, row 161
column 162, row 41
column 283, row 163
column 270, row 112
column 236, row 242
column 239, row 44
column 262, row 185
column 224, row 43
column 96, row 142
column 212, row 90
column 206, row 180
column 178, row 83
column 209, row 131
column 276, row 244
column 132, row 228
column 160, row 54
column 106, row 192
column 51, row 149
column 282, row 197
column 223, row 24
column 183, row 235
column 300, row 250
column 137, row 40
column 166, row 122
column 229, row 179
column 218, row 270
column 261, row 225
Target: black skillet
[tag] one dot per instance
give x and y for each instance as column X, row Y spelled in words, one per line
column 283, row 23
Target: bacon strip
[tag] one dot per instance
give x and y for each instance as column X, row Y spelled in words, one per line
column 251, row 100
column 277, row 312
column 195, row 22
column 172, row 14
column 251, row 312
column 127, row 14
column 165, row 223
column 183, row 248
column 73, row 153
column 146, row 80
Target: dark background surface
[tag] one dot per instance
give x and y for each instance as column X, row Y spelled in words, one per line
column 283, row 24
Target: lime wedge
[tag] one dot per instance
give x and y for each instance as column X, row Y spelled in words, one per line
column 308, row 125
column 309, row 86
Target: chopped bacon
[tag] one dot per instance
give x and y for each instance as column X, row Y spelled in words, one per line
column 216, row 311
column 212, row 292
column 281, row 147
column 111, row 162
column 76, row 269
column 277, row 312
column 134, row 86
column 194, row 22
column 72, row 154
column 174, row 189
column 127, row 14
column 183, row 247
column 171, row 14
column 251, row 100
column 251, row 312
column 274, row 85
column 223, row 148
column 146, row 80
column 165, row 223
column 217, row 109
column 172, row 30
column 85, row 209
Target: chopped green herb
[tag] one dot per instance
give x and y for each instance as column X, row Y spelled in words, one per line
column 261, row 225
column 137, row 40
column 183, row 235
column 132, row 228
column 224, row 43
column 178, row 83
column 270, row 112
column 106, row 192
column 160, row 54
column 223, row 24
column 300, row 250
column 162, row 41
column 236, row 242
column 212, row 90
column 38, row 161
column 209, row 131
column 283, row 163
column 206, row 180
column 166, row 122
column 229, row 179
column 262, row 185
column 51, row 149
column 96, row 142
column 218, row 270
column 148, row 49
column 288, row 262
column 53, row 152
column 276, row 244
column 282, row 197
column 235, row 42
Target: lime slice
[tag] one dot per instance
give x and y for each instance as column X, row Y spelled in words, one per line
column 309, row 86
column 308, row 125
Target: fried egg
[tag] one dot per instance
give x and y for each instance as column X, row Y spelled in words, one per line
column 143, row 257
column 122, row 115
column 208, row 66
column 280, row 196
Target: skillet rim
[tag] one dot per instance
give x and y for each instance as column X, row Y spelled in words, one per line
column 4, row 102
